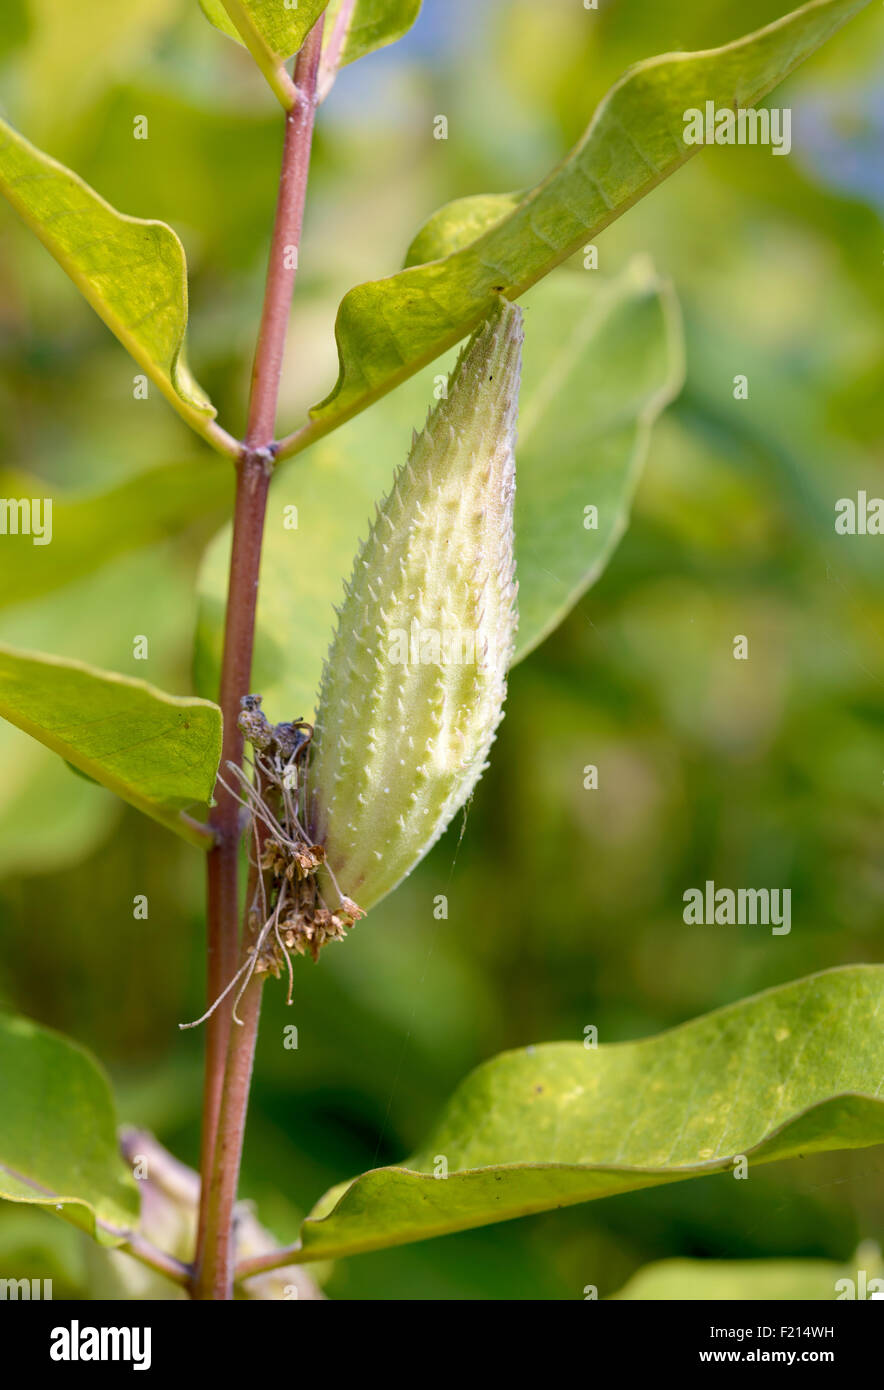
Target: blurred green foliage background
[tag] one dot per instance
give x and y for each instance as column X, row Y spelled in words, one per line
column 565, row 905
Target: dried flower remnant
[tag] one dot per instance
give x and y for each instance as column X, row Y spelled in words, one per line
column 287, row 902
column 287, row 911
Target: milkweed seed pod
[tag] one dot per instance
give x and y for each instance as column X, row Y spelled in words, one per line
column 414, row 683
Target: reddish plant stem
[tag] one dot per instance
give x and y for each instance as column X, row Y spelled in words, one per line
column 225, row 1097
column 214, row 1276
column 283, row 267
column 223, row 860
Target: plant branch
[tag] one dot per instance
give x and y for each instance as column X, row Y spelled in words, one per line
column 204, row 834
column 283, row 268
column 253, row 480
column 267, row 1260
column 216, row 1255
column 223, row 859
column 301, row 439
column 214, row 434
column 147, row 1254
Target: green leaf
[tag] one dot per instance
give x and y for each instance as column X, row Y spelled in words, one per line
column 131, row 271
column 50, row 819
column 611, row 347
column 280, row 29
column 58, row 1141
column 89, row 530
column 387, row 329
column 748, row 1280
column 794, row 1070
column 367, row 25
column 454, row 226
column 271, row 30
column 156, row 751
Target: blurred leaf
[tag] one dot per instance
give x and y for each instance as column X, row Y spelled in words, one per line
column 14, row 25
column 159, row 752
column 39, row 1249
column 370, row 24
column 79, row 52
column 794, row 1070
column 58, row 1142
column 387, row 329
column 182, row 174
column 88, row 531
column 613, row 346
column 131, row 271
column 600, row 363
column 48, row 818
column 748, row 1280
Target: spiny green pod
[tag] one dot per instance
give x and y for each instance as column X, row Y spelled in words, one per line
column 415, row 680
